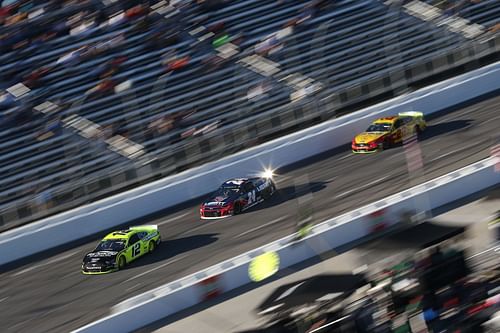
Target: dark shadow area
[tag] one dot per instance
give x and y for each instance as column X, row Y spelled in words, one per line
column 438, row 129
column 174, row 247
column 423, row 235
column 315, row 159
column 494, row 194
column 445, row 128
column 288, row 193
column 309, row 290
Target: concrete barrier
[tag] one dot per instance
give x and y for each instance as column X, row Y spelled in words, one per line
column 166, row 300
column 108, row 213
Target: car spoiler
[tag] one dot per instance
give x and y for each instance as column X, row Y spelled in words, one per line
column 414, row 114
column 144, row 227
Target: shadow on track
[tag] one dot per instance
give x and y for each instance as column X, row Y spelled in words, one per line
column 445, row 128
column 172, row 247
column 287, row 193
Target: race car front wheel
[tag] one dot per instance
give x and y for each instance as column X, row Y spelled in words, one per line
column 268, row 192
column 237, row 208
column 121, row 262
column 151, row 247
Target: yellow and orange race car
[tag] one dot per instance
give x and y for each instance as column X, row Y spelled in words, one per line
column 388, row 131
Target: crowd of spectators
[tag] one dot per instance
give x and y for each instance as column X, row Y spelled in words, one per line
column 29, row 27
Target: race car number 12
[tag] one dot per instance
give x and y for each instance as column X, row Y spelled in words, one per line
column 136, row 249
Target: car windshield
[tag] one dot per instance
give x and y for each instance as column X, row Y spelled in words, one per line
column 225, row 190
column 111, row 245
column 381, row 127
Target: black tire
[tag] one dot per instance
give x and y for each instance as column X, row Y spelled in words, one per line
column 266, row 194
column 237, row 208
column 151, row 247
column 418, row 131
column 384, row 145
column 122, row 262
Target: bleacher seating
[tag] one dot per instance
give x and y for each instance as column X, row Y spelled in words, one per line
column 486, row 12
column 343, row 44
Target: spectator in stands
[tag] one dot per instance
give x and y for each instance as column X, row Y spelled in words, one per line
column 108, row 68
column 110, row 45
column 259, row 91
column 34, row 79
column 495, row 28
column 307, row 12
column 161, row 125
column 136, row 11
column 213, row 62
column 176, row 64
column 7, row 101
column 102, row 89
column 268, row 46
column 72, row 58
column 52, row 128
column 120, row 128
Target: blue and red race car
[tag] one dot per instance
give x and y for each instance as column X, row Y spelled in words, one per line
column 237, row 195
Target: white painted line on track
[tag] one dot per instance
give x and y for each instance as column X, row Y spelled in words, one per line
column 19, row 324
column 155, row 268
column 488, row 120
column 262, row 226
column 345, row 156
column 52, row 261
column 343, row 194
column 134, row 286
column 72, row 273
column 203, row 224
column 173, row 219
column 451, row 152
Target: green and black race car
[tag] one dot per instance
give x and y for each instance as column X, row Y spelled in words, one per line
column 119, row 248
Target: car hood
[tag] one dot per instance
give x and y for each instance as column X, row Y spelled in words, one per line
column 99, row 256
column 218, row 201
column 367, row 137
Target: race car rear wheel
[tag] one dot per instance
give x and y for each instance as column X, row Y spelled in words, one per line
column 386, row 143
column 151, row 247
column 268, row 192
column 121, row 262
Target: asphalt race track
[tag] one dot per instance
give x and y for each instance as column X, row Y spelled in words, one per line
column 51, row 295
column 238, row 313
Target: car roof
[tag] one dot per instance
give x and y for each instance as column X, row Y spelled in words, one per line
column 391, row 120
column 235, row 181
column 120, row 234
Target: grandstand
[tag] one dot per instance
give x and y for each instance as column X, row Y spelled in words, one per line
column 113, row 94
